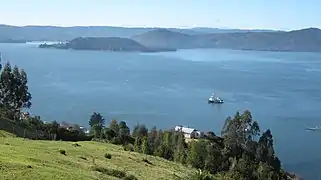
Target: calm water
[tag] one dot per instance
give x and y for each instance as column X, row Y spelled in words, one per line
column 282, row 90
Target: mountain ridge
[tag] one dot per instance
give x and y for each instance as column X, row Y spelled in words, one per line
column 58, row 33
column 307, row 40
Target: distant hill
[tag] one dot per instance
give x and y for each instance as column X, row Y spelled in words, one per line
column 162, row 38
column 104, row 44
column 12, row 41
column 308, row 40
column 206, row 30
column 54, row 33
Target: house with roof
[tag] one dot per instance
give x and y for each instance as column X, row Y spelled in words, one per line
column 189, row 133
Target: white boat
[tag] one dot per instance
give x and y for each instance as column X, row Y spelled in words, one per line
column 215, row 100
column 316, row 128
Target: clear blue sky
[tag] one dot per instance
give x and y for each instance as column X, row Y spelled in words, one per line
column 258, row 14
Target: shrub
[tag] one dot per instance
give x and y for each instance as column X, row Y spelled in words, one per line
column 128, row 147
column 62, row 151
column 107, row 155
column 130, row 177
column 116, row 140
column 110, row 172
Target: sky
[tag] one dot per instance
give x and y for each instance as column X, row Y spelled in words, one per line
column 242, row 14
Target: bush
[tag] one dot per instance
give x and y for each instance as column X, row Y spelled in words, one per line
column 107, row 155
column 116, row 141
column 110, row 172
column 130, row 177
column 62, row 151
column 128, row 147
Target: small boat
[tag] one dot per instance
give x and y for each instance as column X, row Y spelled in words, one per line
column 316, row 128
column 215, row 100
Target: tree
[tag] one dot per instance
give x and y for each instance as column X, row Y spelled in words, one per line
column 151, row 138
column 140, row 130
column 238, row 133
column 197, row 154
column 214, row 158
column 124, row 132
column 114, row 126
column 123, row 129
column 96, row 130
column 179, row 148
column 97, row 119
column 137, row 144
column 265, row 150
column 109, row 134
column 158, row 141
column 14, row 93
column 145, row 147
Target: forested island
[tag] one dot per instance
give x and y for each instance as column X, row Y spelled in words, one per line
column 116, row 44
column 242, row 151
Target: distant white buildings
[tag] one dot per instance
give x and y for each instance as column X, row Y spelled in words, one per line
column 189, row 133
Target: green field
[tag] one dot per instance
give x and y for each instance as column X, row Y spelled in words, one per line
column 36, row 159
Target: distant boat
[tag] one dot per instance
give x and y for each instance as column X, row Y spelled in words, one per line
column 215, row 100
column 316, row 128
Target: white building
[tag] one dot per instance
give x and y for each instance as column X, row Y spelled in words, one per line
column 189, row 132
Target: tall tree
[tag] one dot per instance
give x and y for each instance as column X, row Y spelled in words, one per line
column 97, row 119
column 151, row 138
column 179, row 148
column 124, row 132
column 239, row 132
column 14, row 93
column 145, row 146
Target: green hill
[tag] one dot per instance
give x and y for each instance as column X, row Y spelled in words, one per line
column 37, row 159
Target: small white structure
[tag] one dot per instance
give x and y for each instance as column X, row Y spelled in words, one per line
column 189, row 132
column 24, row 115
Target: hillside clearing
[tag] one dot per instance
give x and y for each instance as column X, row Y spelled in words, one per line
column 36, row 159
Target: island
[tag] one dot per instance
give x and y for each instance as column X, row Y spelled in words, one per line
column 115, row 44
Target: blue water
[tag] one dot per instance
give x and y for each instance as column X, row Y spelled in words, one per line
column 282, row 90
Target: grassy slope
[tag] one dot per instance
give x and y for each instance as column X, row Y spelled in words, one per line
column 47, row 163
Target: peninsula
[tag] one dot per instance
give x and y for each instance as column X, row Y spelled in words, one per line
column 116, row 44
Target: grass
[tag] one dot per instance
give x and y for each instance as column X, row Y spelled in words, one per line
column 36, row 159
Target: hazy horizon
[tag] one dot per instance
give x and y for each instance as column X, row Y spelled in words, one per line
column 227, row 28
column 232, row 14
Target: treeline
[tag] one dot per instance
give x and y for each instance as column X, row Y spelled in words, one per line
column 240, row 153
